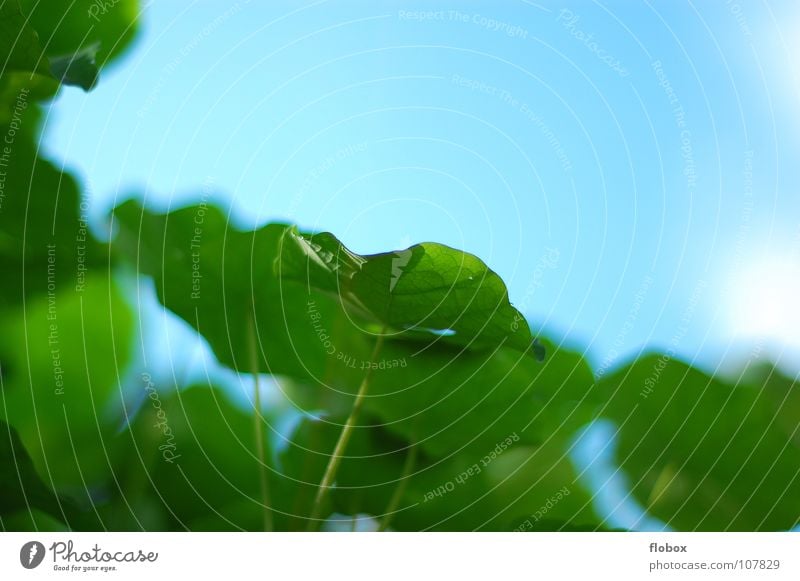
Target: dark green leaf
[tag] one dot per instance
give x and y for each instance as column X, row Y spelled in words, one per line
column 20, row 50
column 63, row 41
column 78, row 68
column 21, row 489
column 70, row 26
column 24, row 69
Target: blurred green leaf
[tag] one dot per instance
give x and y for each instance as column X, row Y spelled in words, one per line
column 79, row 68
column 20, row 50
column 45, row 44
column 451, row 400
column 190, row 464
column 368, row 476
column 62, row 357
column 17, row 92
column 433, row 494
column 536, row 488
column 21, row 489
column 473, row 489
column 44, row 233
column 782, row 394
column 32, row 520
column 702, row 453
column 66, row 329
column 24, row 68
column 217, row 278
column 71, row 26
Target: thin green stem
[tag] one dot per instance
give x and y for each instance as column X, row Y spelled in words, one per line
column 394, row 502
column 258, row 428
column 344, row 439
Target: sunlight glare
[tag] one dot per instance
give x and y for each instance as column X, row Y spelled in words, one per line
column 765, row 301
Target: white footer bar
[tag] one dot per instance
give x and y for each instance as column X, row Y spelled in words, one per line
column 401, row 556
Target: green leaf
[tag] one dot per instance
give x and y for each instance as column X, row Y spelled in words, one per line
column 79, row 68
column 24, row 70
column 702, row 453
column 189, row 463
column 32, row 520
column 452, row 400
column 44, row 234
column 489, row 489
column 366, row 477
column 62, row 353
column 62, row 358
column 64, row 41
column 17, row 91
column 70, row 26
column 536, row 488
column 21, row 489
column 216, row 277
column 20, row 50
column 782, row 394
column 425, row 288
column 374, row 467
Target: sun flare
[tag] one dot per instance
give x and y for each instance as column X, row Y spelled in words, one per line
column 765, row 301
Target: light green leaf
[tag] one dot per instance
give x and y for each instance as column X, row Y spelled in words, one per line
column 425, row 288
column 62, row 358
column 536, row 488
column 704, row 454
column 190, row 463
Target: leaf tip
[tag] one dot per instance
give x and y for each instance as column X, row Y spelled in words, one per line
column 539, row 351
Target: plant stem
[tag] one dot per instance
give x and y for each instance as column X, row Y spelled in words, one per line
column 258, row 431
column 344, row 438
column 394, row 502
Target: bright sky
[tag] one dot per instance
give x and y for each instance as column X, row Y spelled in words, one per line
column 630, row 169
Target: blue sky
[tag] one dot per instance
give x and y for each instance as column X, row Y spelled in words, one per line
column 628, row 168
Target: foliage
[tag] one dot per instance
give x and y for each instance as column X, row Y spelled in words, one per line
column 704, row 454
column 21, row 489
column 42, row 45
